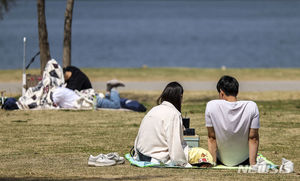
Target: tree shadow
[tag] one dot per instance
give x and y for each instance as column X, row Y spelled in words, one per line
column 143, row 177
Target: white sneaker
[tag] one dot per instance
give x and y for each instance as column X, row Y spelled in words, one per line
column 115, row 156
column 104, row 161
column 100, row 161
column 92, row 159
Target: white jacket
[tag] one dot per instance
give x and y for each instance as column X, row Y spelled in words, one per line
column 161, row 135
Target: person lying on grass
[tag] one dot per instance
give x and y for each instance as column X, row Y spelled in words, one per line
column 75, row 79
column 67, row 98
column 232, row 126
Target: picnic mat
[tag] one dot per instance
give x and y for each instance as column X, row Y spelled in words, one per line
column 134, row 162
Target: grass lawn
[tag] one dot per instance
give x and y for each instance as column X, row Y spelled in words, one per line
column 170, row 74
column 56, row 144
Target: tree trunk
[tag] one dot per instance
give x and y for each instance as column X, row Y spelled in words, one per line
column 43, row 35
column 67, row 33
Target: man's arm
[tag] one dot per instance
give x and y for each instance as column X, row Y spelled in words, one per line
column 212, row 143
column 253, row 145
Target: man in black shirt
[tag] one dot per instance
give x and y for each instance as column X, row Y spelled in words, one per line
column 76, row 79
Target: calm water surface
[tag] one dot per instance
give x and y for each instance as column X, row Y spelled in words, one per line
column 123, row 33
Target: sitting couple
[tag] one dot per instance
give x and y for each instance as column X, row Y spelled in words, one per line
column 232, row 128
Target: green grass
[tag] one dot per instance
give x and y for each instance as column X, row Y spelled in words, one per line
column 56, row 144
column 170, row 74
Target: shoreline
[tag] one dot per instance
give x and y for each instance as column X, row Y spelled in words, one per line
column 170, row 74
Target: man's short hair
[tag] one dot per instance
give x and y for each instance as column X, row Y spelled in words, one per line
column 229, row 85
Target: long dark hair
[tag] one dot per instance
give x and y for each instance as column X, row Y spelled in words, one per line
column 173, row 94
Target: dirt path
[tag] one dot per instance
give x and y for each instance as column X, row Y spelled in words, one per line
column 15, row 88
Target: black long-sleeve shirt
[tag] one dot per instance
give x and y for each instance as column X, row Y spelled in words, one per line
column 78, row 80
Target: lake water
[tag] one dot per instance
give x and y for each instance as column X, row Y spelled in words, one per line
column 182, row 33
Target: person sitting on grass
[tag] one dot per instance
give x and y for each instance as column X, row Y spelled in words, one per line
column 160, row 136
column 232, row 126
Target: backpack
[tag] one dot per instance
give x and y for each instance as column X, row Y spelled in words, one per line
column 10, row 104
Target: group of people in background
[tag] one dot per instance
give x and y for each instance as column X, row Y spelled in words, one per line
column 70, row 88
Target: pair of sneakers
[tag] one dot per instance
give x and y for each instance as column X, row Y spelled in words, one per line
column 109, row 159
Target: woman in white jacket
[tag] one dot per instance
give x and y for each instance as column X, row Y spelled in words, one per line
column 160, row 136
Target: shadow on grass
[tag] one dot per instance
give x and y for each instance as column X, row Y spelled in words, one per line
column 145, row 177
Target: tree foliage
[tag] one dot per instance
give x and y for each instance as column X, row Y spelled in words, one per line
column 43, row 33
column 5, row 6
